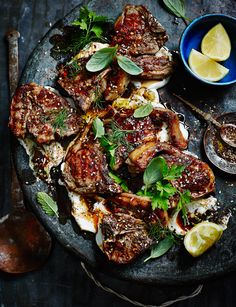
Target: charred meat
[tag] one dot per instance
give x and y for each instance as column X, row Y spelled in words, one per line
column 137, row 131
column 137, row 32
column 197, row 177
column 124, row 237
column 154, row 67
column 85, row 88
column 41, row 113
column 117, row 83
column 85, row 168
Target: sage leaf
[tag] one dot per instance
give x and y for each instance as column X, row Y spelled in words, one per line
column 48, row 205
column 143, row 111
column 101, row 59
column 160, row 248
column 154, row 171
column 98, row 128
column 128, row 65
column 176, row 7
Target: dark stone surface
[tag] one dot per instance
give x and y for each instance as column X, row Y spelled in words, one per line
column 61, row 281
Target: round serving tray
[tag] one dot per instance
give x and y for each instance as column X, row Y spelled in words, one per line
column 176, row 266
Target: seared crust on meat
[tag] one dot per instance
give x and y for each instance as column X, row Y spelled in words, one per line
column 125, row 237
column 138, row 32
column 146, row 129
column 85, row 168
column 154, row 67
column 160, row 115
column 85, row 88
column 197, row 177
column 41, row 113
column 117, row 83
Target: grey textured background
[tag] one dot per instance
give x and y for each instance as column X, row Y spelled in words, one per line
column 61, row 281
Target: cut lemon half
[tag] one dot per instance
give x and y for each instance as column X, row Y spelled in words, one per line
column 205, row 67
column 201, row 237
column 216, row 43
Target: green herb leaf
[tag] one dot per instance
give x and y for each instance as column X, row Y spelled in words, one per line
column 160, row 248
column 97, row 30
column 184, row 199
column 59, row 121
column 143, row 111
column 48, row 205
column 90, row 28
column 174, row 172
column 160, row 201
column 159, row 232
column 81, row 23
column 119, row 181
column 128, row 65
column 101, row 59
column 167, row 189
column 154, row 171
column 176, row 7
column 98, row 128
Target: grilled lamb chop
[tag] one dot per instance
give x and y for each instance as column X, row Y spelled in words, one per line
column 140, row 36
column 145, row 129
column 85, row 168
column 197, row 177
column 85, row 88
column 117, row 83
column 124, row 237
column 41, row 113
column 140, row 206
column 138, row 32
column 154, row 67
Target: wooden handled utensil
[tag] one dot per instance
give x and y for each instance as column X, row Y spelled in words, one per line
column 24, row 243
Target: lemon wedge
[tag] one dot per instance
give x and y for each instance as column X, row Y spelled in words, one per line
column 205, row 67
column 201, row 237
column 216, row 43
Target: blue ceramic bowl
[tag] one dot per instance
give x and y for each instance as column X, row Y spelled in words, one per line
column 193, row 35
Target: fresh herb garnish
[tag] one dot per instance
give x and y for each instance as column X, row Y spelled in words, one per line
column 154, row 171
column 174, row 172
column 91, row 27
column 119, row 181
column 48, row 205
column 73, row 68
column 176, row 7
column 157, row 186
column 101, row 59
column 59, row 120
column 98, row 128
column 184, row 199
column 105, row 56
column 143, row 111
column 165, row 239
column 159, row 232
column 160, row 248
column 128, row 65
column 112, row 139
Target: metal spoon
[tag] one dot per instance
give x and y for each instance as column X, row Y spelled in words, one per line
column 24, row 243
column 227, row 131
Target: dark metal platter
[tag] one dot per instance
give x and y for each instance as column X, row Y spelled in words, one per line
column 176, row 266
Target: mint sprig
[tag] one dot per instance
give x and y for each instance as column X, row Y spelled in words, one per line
column 160, row 248
column 48, row 205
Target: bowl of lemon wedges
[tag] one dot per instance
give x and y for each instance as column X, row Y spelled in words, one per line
column 208, row 49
